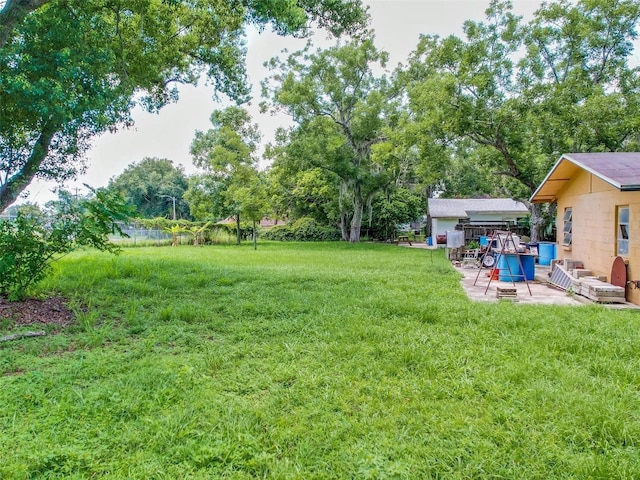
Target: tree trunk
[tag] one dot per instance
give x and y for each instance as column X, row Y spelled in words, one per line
column 18, row 336
column 344, row 226
column 344, row 215
column 537, row 222
column 356, row 221
column 255, row 236
column 14, row 186
column 238, row 232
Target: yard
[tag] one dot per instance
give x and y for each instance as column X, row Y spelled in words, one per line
column 312, row 361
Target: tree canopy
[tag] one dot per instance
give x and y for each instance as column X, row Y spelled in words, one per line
column 342, row 108
column 71, row 69
column 526, row 93
column 231, row 184
column 484, row 113
column 155, row 187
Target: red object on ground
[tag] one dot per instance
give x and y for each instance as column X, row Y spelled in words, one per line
column 619, row 273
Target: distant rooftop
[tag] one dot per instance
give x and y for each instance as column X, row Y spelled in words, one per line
column 619, row 169
column 463, row 207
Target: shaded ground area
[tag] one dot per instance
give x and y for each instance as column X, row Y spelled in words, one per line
column 36, row 312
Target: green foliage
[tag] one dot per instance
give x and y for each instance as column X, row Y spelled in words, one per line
column 71, row 70
column 232, row 186
column 153, row 185
column 302, row 230
column 398, row 207
column 27, row 208
column 219, row 236
column 205, row 197
column 342, row 108
column 161, row 223
column 300, row 191
column 316, row 360
column 207, row 232
column 473, row 244
column 523, row 94
column 25, row 255
column 31, row 243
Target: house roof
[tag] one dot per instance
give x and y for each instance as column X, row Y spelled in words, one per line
column 619, row 169
column 464, row 207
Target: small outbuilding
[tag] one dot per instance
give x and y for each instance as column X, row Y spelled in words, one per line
column 476, row 213
column 598, row 213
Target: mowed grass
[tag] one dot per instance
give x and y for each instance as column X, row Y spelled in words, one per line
column 314, row 361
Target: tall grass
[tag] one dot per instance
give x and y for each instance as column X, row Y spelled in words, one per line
column 314, row 361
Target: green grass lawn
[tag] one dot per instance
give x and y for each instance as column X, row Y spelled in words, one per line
column 305, row 361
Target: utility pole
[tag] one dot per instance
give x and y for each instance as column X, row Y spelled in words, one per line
column 174, row 204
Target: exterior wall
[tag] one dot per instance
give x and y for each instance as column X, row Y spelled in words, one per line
column 441, row 225
column 594, row 205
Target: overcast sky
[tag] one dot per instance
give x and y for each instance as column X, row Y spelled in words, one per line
column 397, row 25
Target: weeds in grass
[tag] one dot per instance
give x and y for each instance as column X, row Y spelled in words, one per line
column 314, row 361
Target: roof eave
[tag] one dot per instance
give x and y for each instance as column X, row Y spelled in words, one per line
column 533, row 199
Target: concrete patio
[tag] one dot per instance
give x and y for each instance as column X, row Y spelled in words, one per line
column 480, row 288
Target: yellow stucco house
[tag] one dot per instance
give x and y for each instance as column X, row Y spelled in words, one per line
column 598, row 215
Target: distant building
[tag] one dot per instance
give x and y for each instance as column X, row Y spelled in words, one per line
column 447, row 213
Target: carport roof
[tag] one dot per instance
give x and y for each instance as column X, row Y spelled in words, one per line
column 462, row 207
column 619, row 169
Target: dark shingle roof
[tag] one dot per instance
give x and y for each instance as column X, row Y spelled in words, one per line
column 619, row 169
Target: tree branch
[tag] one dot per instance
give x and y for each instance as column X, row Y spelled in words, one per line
column 17, row 336
column 13, row 13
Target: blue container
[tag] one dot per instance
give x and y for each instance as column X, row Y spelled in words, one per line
column 484, row 241
column 529, row 266
column 510, row 268
column 430, row 241
column 546, row 252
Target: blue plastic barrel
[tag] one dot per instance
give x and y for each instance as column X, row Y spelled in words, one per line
column 430, row 241
column 510, row 268
column 546, row 252
column 529, row 266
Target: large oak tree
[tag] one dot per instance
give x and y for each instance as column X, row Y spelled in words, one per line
column 155, row 187
column 526, row 93
column 71, row 69
column 342, row 108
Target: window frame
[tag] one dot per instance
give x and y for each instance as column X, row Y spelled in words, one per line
column 567, row 227
column 622, row 230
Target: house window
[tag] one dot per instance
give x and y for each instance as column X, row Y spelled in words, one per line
column 622, row 237
column 567, row 227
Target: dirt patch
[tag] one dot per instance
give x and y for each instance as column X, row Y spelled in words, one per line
column 35, row 312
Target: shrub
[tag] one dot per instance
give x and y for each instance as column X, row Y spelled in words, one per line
column 30, row 243
column 220, row 235
column 302, row 230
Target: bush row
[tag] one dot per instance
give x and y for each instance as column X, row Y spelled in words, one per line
column 302, row 230
column 166, row 224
